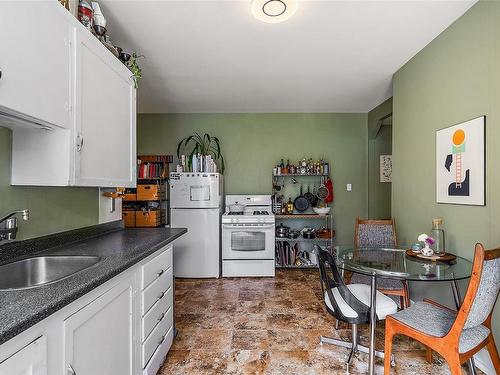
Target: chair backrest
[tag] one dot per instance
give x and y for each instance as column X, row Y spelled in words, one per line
column 483, row 289
column 375, row 233
column 330, row 277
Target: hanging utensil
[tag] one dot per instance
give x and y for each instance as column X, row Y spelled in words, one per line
column 329, row 186
column 301, row 203
column 311, row 197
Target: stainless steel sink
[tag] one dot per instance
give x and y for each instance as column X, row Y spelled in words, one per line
column 41, row 270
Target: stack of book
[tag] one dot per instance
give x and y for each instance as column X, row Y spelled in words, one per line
column 150, row 170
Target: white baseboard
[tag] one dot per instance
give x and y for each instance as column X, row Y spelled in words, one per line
column 482, row 361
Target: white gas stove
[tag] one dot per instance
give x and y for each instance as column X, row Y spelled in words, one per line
column 248, row 237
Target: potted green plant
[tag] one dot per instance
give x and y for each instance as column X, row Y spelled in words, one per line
column 204, row 145
column 135, row 68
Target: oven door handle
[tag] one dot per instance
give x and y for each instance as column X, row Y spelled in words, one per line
column 229, row 226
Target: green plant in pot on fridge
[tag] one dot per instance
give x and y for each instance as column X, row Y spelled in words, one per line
column 203, row 145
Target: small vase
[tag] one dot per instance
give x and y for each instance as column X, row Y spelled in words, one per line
column 427, row 251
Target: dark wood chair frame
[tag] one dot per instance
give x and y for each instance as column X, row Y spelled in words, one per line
column 448, row 346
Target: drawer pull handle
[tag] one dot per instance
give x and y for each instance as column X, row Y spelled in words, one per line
column 160, row 272
column 161, row 295
column 162, row 315
column 161, row 340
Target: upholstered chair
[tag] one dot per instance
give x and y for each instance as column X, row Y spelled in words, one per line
column 379, row 234
column 457, row 336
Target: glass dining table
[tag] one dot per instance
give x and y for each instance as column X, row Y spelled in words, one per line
column 396, row 264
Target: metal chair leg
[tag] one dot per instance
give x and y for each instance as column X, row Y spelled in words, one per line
column 353, row 345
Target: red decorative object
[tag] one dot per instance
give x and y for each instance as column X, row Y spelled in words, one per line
column 329, row 186
column 85, row 14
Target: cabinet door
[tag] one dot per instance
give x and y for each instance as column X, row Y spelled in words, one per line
column 105, row 117
column 98, row 339
column 35, row 61
column 30, row 360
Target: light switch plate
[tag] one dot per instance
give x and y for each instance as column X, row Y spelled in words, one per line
column 349, row 187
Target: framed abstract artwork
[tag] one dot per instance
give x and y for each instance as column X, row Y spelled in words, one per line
column 385, row 168
column 461, row 163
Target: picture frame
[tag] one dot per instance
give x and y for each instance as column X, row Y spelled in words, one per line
column 461, row 163
column 385, row 168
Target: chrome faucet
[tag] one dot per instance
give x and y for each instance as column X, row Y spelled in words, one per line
column 8, row 224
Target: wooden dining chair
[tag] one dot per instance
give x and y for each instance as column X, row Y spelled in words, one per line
column 379, row 234
column 456, row 336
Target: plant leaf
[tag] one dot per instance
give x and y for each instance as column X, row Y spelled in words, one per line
column 179, row 145
column 216, row 140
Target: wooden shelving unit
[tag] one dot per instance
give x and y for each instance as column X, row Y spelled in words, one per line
column 138, row 209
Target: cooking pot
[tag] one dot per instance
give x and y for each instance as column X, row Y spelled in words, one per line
column 293, row 234
column 236, row 207
column 282, row 231
column 308, row 233
column 324, row 233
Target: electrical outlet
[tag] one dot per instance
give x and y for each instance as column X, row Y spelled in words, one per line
column 349, row 187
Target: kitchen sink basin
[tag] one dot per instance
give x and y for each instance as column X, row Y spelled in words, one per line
column 41, row 270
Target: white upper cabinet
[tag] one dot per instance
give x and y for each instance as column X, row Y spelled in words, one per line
column 75, row 99
column 35, row 61
column 105, row 110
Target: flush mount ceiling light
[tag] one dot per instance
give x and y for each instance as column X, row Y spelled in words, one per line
column 273, row 11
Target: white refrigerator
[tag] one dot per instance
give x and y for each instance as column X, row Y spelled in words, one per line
column 196, row 204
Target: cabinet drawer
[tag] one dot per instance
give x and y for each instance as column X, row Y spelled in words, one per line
column 156, row 314
column 156, row 267
column 159, row 355
column 156, row 291
column 157, row 337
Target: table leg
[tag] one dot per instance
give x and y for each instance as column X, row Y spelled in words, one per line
column 373, row 324
column 458, row 301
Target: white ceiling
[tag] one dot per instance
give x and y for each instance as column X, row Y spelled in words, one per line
column 331, row 56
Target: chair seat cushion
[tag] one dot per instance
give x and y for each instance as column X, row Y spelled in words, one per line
column 384, row 304
column 436, row 321
column 382, row 283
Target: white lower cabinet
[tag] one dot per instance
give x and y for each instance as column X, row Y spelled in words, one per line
column 123, row 327
column 157, row 305
column 30, row 360
column 98, row 339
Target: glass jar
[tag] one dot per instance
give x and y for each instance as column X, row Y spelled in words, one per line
column 437, row 233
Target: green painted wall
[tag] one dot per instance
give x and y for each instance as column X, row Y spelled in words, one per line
column 52, row 209
column 455, row 78
column 379, row 143
column 253, row 143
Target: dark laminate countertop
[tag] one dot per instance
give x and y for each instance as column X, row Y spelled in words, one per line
column 118, row 248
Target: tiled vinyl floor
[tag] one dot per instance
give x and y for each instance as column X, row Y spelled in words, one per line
column 270, row 326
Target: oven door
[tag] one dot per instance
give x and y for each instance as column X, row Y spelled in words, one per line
column 248, row 241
